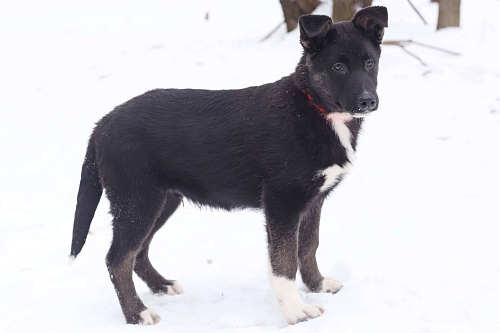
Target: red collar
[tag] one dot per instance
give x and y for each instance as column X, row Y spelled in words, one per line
column 309, row 97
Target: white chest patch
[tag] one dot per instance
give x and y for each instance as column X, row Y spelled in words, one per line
column 334, row 173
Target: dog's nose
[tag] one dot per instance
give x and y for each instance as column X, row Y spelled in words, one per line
column 367, row 102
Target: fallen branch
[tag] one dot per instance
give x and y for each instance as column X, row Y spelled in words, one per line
column 434, row 47
column 403, row 43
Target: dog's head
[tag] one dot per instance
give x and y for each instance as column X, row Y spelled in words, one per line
column 339, row 65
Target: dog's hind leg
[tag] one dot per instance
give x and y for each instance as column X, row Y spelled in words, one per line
column 143, row 267
column 308, row 244
column 134, row 218
column 282, row 212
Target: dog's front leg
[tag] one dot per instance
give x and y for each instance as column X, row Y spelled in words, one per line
column 282, row 221
column 308, row 244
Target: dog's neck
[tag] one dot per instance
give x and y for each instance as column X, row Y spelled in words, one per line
column 333, row 116
column 309, row 97
column 301, row 81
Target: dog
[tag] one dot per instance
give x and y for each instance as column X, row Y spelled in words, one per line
column 280, row 147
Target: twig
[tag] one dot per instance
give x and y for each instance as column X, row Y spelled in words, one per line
column 413, row 55
column 272, row 32
column 401, row 44
column 415, row 9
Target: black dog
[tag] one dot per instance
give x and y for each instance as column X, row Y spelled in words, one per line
column 281, row 147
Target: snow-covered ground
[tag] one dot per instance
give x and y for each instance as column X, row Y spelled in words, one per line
column 412, row 231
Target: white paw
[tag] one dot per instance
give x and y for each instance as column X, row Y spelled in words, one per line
column 292, row 307
column 301, row 312
column 330, row 285
column 174, row 289
column 149, row 317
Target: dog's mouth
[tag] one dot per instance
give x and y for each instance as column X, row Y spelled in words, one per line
column 361, row 114
column 356, row 113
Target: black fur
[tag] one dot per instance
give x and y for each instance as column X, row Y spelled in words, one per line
column 261, row 147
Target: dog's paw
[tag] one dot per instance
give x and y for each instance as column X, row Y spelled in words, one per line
column 330, row 285
column 149, row 317
column 174, row 289
column 302, row 312
column 169, row 289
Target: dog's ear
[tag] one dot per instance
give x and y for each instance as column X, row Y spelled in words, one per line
column 373, row 20
column 313, row 31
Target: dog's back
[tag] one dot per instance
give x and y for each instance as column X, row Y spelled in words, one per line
column 215, row 147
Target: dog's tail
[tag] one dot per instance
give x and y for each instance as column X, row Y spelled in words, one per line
column 89, row 194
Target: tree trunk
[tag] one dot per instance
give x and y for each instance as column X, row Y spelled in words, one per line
column 449, row 13
column 293, row 9
column 365, row 3
column 344, row 10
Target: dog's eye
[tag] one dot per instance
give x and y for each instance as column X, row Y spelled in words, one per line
column 369, row 63
column 338, row 67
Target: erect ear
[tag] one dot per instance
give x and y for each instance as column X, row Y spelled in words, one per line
column 373, row 20
column 313, row 31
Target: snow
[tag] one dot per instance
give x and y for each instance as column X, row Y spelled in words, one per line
column 411, row 231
